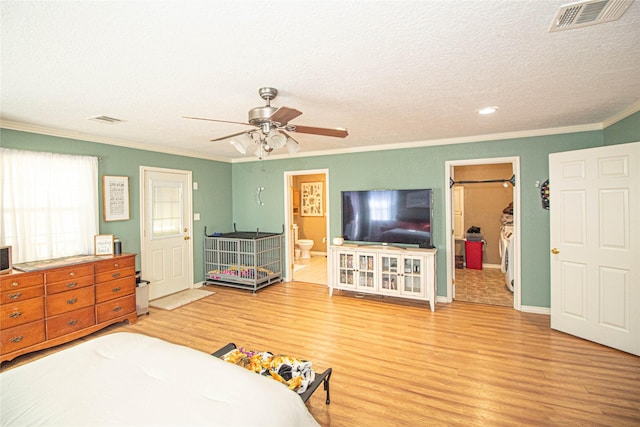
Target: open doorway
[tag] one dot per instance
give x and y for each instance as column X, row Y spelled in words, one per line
column 307, row 225
column 483, row 222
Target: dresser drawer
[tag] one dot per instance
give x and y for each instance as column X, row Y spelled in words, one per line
column 115, row 308
column 68, row 284
column 14, row 281
column 116, row 263
column 66, row 273
column 17, row 295
column 70, row 322
column 21, row 336
column 115, row 289
column 21, row 312
column 115, row 274
column 69, row 301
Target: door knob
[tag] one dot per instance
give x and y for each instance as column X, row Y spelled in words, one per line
column 186, row 237
column 555, row 251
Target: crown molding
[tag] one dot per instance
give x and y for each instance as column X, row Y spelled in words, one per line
column 24, row 127
column 7, row 124
column 436, row 142
column 632, row 109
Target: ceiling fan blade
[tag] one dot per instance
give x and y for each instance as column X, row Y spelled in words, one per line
column 227, row 137
column 215, row 120
column 338, row 133
column 284, row 114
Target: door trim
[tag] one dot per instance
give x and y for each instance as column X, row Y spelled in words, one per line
column 288, row 219
column 189, row 175
column 449, row 238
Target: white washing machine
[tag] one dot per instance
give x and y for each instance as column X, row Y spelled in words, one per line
column 507, row 247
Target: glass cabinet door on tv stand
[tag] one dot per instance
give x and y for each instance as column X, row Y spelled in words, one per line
column 346, row 268
column 366, row 271
column 389, row 274
column 413, row 277
column 356, row 270
column 402, row 274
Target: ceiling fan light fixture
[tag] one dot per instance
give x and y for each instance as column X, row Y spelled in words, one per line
column 241, row 142
column 271, row 126
column 292, row 146
column 275, row 139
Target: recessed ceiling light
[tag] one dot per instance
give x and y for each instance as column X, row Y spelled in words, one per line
column 487, row 110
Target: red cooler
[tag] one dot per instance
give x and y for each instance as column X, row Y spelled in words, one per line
column 473, row 254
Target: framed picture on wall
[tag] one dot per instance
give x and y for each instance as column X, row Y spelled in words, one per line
column 115, row 196
column 311, row 204
column 103, row 244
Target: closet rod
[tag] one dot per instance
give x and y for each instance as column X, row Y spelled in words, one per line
column 512, row 180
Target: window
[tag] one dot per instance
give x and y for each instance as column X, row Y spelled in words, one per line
column 49, row 204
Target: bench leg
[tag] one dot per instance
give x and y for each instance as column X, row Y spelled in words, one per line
column 326, row 386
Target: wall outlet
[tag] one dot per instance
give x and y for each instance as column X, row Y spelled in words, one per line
column 196, row 217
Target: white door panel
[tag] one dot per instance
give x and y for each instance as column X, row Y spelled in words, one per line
column 595, row 261
column 167, row 255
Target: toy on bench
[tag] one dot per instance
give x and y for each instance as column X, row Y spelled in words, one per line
column 324, row 377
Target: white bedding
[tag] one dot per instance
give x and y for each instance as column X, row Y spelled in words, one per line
column 133, row 380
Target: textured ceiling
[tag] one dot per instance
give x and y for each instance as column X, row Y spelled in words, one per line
column 391, row 72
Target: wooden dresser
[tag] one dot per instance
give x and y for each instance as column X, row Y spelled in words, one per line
column 52, row 305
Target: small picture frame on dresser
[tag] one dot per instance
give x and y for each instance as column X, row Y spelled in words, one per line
column 103, row 244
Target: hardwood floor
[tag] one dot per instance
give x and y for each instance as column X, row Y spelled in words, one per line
column 396, row 363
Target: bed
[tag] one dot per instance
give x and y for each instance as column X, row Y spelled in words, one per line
column 135, row 380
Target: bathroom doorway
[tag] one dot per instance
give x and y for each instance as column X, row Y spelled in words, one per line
column 307, row 225
column 485, row 194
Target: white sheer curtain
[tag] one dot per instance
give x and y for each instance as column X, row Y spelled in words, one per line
column 49, row 204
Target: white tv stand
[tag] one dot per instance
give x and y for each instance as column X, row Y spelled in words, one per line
column 384, row 270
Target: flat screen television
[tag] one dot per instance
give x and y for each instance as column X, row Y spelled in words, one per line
column 398, row 217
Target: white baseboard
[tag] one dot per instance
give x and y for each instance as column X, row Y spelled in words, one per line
column 490, row 265
column 523, row 308
column 536, row 310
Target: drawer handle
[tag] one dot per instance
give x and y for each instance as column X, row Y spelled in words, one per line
column 116, row 265
column 15, row 296
column 73, row 273
column 116, row 289
column 17, row 339
column 15, row 314
column 14, row 284
column 72, row 322
column 114, row 275
column 72, row 301
column 117, row 308
column 72, row 284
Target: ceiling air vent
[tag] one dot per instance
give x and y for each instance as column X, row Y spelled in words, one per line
column 584, row 13
column 106, row 119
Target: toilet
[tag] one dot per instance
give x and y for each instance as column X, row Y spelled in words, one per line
column 305, row 246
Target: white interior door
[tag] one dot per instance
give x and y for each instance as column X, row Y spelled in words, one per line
column 167, row 256
column 595, row 259
column 458, row 212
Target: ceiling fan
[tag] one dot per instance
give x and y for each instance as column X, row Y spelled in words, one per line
column 271, row 128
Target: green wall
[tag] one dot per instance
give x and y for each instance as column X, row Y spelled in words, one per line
column 626, row 130
column 212, row 199
column 227, row 192
column 415, row 168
